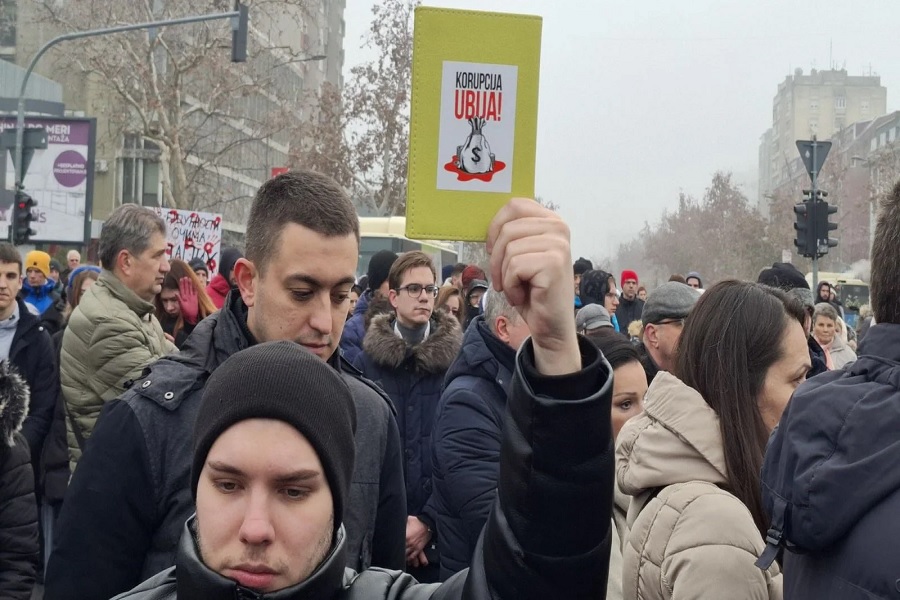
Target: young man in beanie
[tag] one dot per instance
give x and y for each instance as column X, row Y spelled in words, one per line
column 373, row 302
column 224, row 280
column 663, row 317
column 130, row 495
column 39, row 291
column 407, row 352
column 630, row 306
column 270, row 466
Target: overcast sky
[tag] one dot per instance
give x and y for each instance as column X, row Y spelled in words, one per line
column 640, row 101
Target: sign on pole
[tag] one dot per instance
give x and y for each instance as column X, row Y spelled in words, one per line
column 813, row 153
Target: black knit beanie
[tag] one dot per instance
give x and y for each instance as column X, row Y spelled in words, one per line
column 380, row 267
column 594, row 287
column 282, row 381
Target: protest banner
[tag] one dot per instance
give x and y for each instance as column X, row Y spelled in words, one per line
column 192, row 235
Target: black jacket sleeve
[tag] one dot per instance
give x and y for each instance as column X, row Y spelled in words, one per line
column 106, row 523
column 389, row 543
column 42, row 375
column 549, row 533
column 19, row 551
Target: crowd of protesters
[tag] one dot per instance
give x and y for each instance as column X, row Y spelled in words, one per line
column 279, row 427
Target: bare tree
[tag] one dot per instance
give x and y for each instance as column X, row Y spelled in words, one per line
column 176, row 87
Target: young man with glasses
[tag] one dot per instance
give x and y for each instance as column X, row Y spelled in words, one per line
column 408, row 353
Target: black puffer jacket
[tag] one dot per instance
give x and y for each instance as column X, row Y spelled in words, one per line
column 130, row 495
column 467, row 435
column 19, row 551
column 556, row 452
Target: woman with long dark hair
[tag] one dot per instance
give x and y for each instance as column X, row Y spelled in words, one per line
column 182, row 302
column 692, row 460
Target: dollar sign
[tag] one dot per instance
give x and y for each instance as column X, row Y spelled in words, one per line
column 477, row 155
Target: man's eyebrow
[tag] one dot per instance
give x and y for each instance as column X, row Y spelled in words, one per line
column 313, row 282
column 292, row 477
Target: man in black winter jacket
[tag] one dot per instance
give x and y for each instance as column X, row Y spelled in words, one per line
column 270, row 476
column 830, row 481
column 25, row 342
column 130, row 496
column 467, row 430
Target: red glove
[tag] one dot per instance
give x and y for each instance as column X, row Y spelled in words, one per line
column 187, row 300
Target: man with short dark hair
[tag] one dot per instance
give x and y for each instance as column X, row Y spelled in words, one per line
column 113, row 332
column 408, row 353
column 130, row 496
column 25, row 343
column 272, row 457
column 372, row 303
column 829, row 478
column 467, row 429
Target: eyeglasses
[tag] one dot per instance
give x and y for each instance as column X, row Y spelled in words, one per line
column 671, row 322
column 415, row 290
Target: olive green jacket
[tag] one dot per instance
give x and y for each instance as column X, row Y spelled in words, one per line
column 111, row 336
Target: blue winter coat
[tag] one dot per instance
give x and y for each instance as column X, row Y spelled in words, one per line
column 467, row 435
column 413, row 378
column 830, row 480
column 355, row 329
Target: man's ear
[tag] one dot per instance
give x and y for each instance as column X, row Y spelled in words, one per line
column 502, row 328
column 650, row 335
column 392, row 297
column 246, row 274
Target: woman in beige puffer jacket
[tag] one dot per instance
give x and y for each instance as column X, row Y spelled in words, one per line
column 691, row 461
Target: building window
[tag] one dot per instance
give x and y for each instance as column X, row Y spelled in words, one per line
column 892, row 135
column 139, row 172
column 814, row 104
column 814, row 126
column 864, row 106
column 8, row 23
column 840, row 102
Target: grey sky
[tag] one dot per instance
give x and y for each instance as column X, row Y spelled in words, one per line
column 640, row 101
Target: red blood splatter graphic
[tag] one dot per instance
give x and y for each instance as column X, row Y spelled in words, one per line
column 208, row 247
column 188, row 243
column 463, row 176
column 211, row 263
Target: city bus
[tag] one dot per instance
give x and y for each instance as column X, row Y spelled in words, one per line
column 389, row 233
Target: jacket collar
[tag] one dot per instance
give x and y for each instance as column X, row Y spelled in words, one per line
column 120, row 291
column 484, row 356
column 434, row 355
column 198, row 582
column 883, row 341
column 676, row 439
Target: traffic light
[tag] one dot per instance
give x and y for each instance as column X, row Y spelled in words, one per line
column 22, row 218
column 824, row 226
column 806, row 237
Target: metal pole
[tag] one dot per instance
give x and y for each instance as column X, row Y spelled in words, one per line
column 811, row 211
column 20, row 113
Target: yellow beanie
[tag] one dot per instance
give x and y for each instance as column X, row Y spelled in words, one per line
column 38, row 260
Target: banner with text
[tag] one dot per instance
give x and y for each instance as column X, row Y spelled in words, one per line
column 60, row 179
column 193, row 235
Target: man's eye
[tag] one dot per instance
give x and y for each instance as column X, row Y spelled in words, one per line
column 226, row 486
column 295, row 493
column 301, row 295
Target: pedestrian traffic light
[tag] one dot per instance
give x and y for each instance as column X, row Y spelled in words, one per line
column 22, row 218
column 806, row 238
column 824, row 226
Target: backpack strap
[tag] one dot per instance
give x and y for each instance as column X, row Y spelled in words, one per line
column 775, row 536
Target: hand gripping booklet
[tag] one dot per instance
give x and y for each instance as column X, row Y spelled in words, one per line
column 473, row 128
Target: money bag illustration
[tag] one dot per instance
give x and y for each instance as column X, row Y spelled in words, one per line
column 475, row 156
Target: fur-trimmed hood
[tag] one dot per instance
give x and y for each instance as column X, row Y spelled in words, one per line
column 377, row 306
column 14, row 398
column 434, row 355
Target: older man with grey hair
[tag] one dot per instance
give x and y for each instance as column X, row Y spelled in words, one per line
column 466, row 436
column 113, row 334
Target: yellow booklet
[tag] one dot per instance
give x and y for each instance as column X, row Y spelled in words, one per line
column 473, row 129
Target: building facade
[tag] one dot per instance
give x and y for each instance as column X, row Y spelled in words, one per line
column 821, row 104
